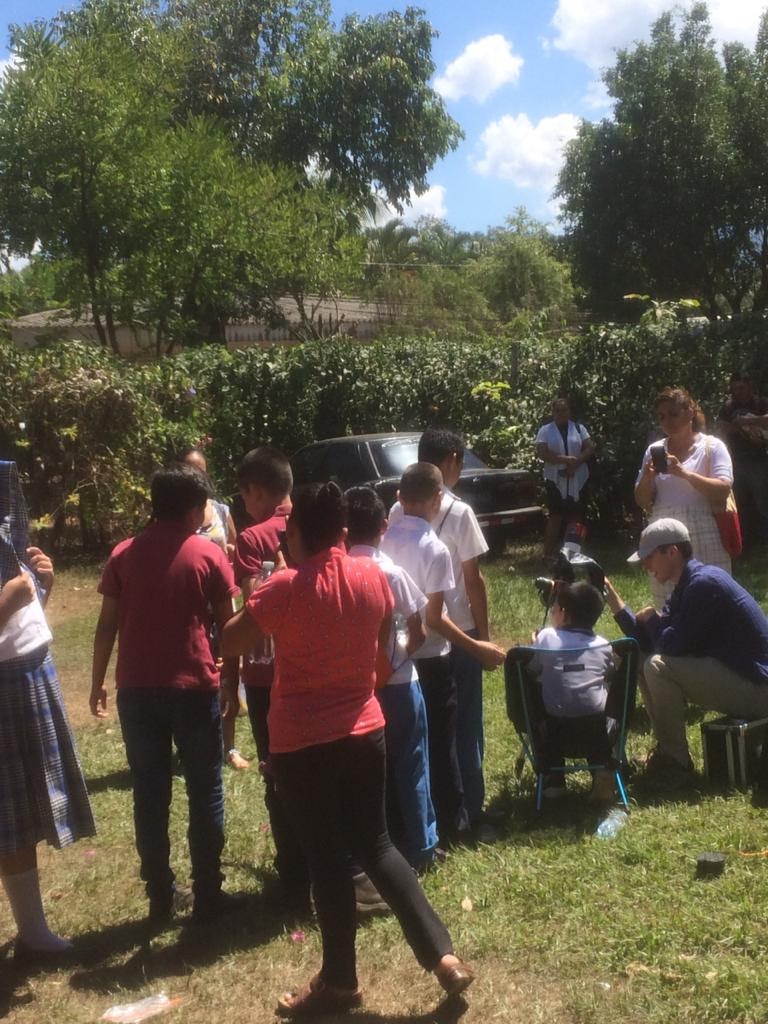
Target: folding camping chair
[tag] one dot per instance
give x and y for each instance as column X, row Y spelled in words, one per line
column 524, row 710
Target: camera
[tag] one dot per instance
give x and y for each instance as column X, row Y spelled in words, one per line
column 570, row 564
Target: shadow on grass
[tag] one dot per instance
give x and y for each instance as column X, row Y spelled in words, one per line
column 515, row 816
column 120, row 779
column 196, row 946
column 449, row 1011
column 14, row 992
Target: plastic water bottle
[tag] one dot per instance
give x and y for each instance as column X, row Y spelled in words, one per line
column 267, row 653
column 611, row 825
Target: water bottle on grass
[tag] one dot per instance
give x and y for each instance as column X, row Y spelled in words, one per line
column 613, row 823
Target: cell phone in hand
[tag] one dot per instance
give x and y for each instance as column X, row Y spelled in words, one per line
column 659, row 457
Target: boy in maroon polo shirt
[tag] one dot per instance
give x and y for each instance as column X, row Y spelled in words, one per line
column 265, row 481
column 157, row 591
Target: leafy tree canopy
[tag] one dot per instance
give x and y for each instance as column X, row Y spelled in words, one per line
column 171, row 160
column 667, row 197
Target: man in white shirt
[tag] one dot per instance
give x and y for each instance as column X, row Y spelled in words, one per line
column 410, row 812
column 411, row 543
column 467, row 605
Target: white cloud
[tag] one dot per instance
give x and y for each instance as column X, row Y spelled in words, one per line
column 484, row 66
column 6, row 63
column 528, row 154
column 592, row 32
column 596, row 96
column 429, row 204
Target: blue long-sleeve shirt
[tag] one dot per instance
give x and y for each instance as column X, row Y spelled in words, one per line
column 708, row 615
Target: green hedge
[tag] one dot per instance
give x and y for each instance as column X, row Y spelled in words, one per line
column 87, row 429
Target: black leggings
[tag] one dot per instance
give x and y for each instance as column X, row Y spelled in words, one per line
column 335, row 795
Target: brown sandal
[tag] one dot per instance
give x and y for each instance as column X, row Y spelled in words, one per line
column 455, row 978
column 317, row 998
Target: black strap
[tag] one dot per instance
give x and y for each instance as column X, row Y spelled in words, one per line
column 442, row 521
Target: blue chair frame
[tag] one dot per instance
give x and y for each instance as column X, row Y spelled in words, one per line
column 519, row 711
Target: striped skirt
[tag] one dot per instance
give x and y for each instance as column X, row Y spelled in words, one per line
column 42, row 789
column 705, row 540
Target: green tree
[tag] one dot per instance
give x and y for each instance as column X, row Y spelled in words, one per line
column 649, row 197
column 159, row 157
column 520, row 271
column 355, row 101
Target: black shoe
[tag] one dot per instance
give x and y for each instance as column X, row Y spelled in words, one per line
column 162, row 909
column 666, row 775
column 212, row 908
column 368, row 900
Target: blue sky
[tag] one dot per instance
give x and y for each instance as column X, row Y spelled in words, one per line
column 517, row 75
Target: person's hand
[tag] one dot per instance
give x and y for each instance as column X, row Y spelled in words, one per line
column 18, row 592
column 569, row 461
column 613, row 598
column 229, row 699
column 646, row 613
column 675, row 466
column 42, row 566
column 489, row 655
column 280, row 562
column 98, row 700
column 534, row 636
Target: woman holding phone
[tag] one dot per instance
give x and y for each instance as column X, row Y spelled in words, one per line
column 683, row 476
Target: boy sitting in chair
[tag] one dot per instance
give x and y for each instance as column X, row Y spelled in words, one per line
column 571, row 663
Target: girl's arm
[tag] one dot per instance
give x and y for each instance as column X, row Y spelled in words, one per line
column 16, row 593
column 42, row 567
column 645, row 488
column 240, row 634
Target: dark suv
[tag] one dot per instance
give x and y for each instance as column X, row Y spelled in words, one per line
column 503, row 499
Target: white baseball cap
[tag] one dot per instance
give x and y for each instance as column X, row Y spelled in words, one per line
column 663, row 531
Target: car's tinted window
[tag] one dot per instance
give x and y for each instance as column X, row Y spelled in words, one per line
column 307, row 465
column 393, row 456
column 345, row 464
column 471, row 461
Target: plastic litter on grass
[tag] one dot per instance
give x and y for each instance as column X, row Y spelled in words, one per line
column 134, row 1013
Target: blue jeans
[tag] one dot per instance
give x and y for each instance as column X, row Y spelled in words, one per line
column 408, row 771
column 470, row 740
column 151, row 720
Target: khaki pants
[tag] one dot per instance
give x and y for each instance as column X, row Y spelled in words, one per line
column 668, row 684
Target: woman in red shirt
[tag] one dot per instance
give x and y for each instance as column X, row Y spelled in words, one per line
column 327, row 744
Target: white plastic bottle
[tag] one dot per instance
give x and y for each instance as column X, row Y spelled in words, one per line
column 613, row 823
column 267, row 653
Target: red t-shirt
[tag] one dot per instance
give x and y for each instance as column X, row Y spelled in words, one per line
column 165, row 581
column 325, row 618
column 256, row 545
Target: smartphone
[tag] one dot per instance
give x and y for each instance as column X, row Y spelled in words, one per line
column 659, row 457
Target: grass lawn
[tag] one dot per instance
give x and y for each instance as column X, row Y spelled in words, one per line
column 561, row 926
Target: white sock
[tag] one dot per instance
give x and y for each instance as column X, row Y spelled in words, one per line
column 23, row 891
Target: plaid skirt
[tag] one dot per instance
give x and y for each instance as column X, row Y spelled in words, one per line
column 705, row 540
column 42, row 789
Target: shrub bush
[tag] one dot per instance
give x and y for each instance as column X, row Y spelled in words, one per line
column 88, row 429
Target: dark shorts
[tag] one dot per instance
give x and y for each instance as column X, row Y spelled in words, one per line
column 558, row 505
